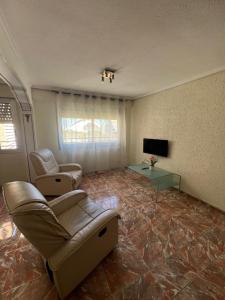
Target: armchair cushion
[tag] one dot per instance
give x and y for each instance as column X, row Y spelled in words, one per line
column 69, row 167
column 54, row 176
column 65, row 202
column 78, row 240
column 55, row 184
column 80, row 215
column 76, row 175
column 44, row 162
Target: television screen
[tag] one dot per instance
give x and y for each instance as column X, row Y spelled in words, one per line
column 157, row 147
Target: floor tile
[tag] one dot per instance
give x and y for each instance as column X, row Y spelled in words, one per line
column 94, row 287
column 215, row 273
column 194, row 222
column 216, row 236
column 199, row 253
column 27, row 265
column 6, row 261
column 3, row 209
column 123, row 266
column 39, row 289
column 172, row 249
column 200, row 289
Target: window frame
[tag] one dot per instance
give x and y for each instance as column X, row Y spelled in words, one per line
column 17, row 125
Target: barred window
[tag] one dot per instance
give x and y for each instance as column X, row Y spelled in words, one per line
column 7, row 128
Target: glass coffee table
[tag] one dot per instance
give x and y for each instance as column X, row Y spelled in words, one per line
column 159, row 179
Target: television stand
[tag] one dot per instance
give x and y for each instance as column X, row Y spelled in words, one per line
column 159, row 179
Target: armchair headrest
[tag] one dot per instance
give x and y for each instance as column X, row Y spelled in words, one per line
column 34, row 217
column 44, row 154
column 18, row 194
column 44, row 162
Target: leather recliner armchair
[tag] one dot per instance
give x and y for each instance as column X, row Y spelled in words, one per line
column 52, row 178
column 71, row 232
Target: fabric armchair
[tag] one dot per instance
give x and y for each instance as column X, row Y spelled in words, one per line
column 52, row 178
column 71, row 232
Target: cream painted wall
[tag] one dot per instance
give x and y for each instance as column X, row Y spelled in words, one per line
column 44, row 104
column 192, row 118
column 13, row 164
column 5, row 90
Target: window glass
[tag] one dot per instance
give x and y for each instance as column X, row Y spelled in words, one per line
column 76, row 130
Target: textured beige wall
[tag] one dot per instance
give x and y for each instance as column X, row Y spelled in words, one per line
column 192, row 118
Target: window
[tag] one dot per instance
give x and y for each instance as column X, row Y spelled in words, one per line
column 7, row 128
column 75, row 130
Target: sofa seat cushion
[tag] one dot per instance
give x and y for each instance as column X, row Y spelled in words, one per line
column 80, row 215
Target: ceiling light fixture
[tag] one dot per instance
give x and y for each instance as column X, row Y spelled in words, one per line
column 108, row 73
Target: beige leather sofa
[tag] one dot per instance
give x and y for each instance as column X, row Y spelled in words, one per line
column 71, row 232
column 54, row 179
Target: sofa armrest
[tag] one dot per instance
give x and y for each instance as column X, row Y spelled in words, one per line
column 65, row 202
column 78, row 240
column 69, row 167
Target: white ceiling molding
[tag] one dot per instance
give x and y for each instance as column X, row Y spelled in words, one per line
column 154, row 45
column 181, row 83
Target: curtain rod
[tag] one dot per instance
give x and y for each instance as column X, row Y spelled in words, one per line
column 80, row 93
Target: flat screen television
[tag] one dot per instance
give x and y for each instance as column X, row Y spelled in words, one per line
column 157, row 147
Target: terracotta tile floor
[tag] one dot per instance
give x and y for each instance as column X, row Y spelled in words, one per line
column 173, row 249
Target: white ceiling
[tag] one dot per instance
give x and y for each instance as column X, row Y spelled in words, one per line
column 154, row 44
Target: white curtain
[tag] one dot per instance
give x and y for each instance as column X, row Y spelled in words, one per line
column 92, row 131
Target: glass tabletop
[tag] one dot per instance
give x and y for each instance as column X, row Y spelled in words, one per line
column 154, row 173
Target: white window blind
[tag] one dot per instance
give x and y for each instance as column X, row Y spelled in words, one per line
column 7, row 128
